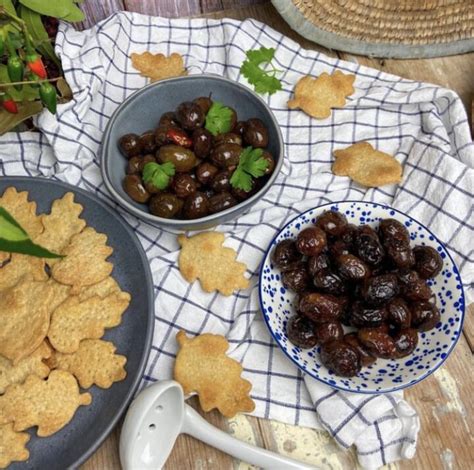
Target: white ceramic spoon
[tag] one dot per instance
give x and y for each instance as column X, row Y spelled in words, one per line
column 159, row 414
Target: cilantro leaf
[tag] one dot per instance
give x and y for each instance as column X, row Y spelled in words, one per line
column 158, row 175
column 218, row 118
column 264, row 81
column 251, row 163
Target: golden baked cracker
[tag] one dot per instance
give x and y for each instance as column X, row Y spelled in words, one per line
column 84, row 262
column 24, row 318
column 49, row 404
column 12, row 445
column 102, row 289
column 201, row 366
column 158, row 66
column 22, row 210
column 203, row 257
column 316, row 96
column 74, row 320
column 4, row 257
column 366, row 165
column 32, row 364
column 19, row 266
column 60, row 293
column 94, row 363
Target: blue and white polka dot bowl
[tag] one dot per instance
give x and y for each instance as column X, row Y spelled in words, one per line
column 434, row 346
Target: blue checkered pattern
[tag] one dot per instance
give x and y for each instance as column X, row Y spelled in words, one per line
column 423, row 126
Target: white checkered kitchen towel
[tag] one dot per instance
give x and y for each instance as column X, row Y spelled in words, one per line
column 423, row 125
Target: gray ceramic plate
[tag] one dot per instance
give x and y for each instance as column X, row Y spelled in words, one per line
column 92, row 424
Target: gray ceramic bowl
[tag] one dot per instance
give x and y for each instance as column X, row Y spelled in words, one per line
column 141, row 112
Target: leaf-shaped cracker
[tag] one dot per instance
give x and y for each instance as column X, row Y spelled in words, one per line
column 367, row 166
column 60, row 293
column 201, row 366
column 94, row 363
column 203, row 257
column 84, row 263
column 12, row 445
column 158, row 66
column 49, row 404
column 4, row 256
column 74, row 320
column 316, row 96
column 102, row 289
column 32, row 364
column 19, row 266
column 25, row 311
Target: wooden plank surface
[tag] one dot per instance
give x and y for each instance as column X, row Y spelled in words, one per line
column 443, row 400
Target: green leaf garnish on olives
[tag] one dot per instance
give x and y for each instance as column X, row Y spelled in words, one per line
column 251, row 164
column 219, row 118
column 158, row 175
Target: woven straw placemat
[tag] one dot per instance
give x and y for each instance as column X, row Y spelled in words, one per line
column 384, row 28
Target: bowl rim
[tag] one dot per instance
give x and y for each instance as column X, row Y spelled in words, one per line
column 183, row 223
column 344, row 389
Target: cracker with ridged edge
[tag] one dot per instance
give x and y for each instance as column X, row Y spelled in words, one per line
column 20, row 266
column 49, row 404
column 158, row 66
column 85, row 260
column 32, row 364
column 201, row 366
column 103, row 288
column 203, row 257
column 12, row 445
column 317, row 96
column 366, row 165
column 94, row 363
column 74, row 320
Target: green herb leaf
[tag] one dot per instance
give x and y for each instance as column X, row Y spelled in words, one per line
column 251, row 164
column 264, row 81
column 56, row 8
column 158, row 175
column 218, row 118
column 75, row 14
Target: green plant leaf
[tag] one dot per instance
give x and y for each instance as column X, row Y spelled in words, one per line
column 10, row 229
column 159, row 175
column 9, row 7
column 25, row 110
column 251, row 164
column 56, row 8
column 75, row 14
column 218, row 118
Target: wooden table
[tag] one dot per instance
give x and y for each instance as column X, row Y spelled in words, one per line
column 444, row 400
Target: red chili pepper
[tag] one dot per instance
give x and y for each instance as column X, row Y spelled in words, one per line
column 9, row 104
column 179, row 137
column 33, row 60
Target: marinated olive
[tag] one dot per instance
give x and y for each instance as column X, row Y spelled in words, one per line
column 255, row 133
column 221, row 182
column 338, row 248
column 196, row 206
column 341, row 358
column 418, row 290
column 134, row 165
column 378, row 342
column 428, row 262
column 182, row 159
column 318, row 262
column 202, row 142
column 332, row 222
column 329, row 331
column 133, row 186
column 226, row 155
column 190, row 115
column 161, row 135
column 405, row 341
column 424, row 316
column 183, row 185
column 296, row 278
column 220, row 202
column 366, row 359
column 363, row 316
column 241, row 195
column 204, row 102
column 352, row 268
column 406, row 277
column 130, row 145
column 329, row 282
column 205, row 172
column 300, row 332
column 401, row 256
column 239, row 127
column 311, row 241
column 228, row 138
column 151, row 188
column 398, row 313
column 271, row 162
column 168, row 119
column 147, row 142
column 165, row 205
column 379, row 290
column 367, row 246
column 394, row 233
column 321, row 308
column 348, row 234
column 285, row 255
column 144, row 160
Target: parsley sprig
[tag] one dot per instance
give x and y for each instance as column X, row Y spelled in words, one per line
column 251, row 164
column 263, row 80
column 158, row 175
column 218, row 118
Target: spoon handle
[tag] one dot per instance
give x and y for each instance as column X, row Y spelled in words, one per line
column 199, row 428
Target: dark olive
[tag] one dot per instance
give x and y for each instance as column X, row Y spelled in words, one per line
column 228, row 138
column 130, row 145
column 134, row 165
column 202, row 142
column 399, row 314
column 329, row 331
column 147, row 142
column 338, row 248
column 151, row 188
column 393, row 232
column 401, row 256
column 341, row 358
column 405, row 341
column 367, row 246
column 146, row 159
column 255, row 133
column 190, row 115
column 318, row 262
column 133, row 186
column 428, row 262
column 296, row 279
column 406, row 277
column 348, row 233
column 311, row 241
column 366, row 359
column 183, row 185
column 332, row 222
column 285, row 255
column 352, row 268
column 221, row 182
column 196, row 206
column 165, row 205
column 300, row 332
column 233, row 117
column 379, row 290
column 241, row 195
column 363, row 316
column 168, row 119
column 205, row 172
column 182, row 159
column 271, row 162
column 417, row 290
column 378, row 342
column 329, row 282
column 226, row 155
column 239, row 127
column 321, row 308
column 204, row 102
column 161, row 135
column 220, row 202
column 424, row 316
